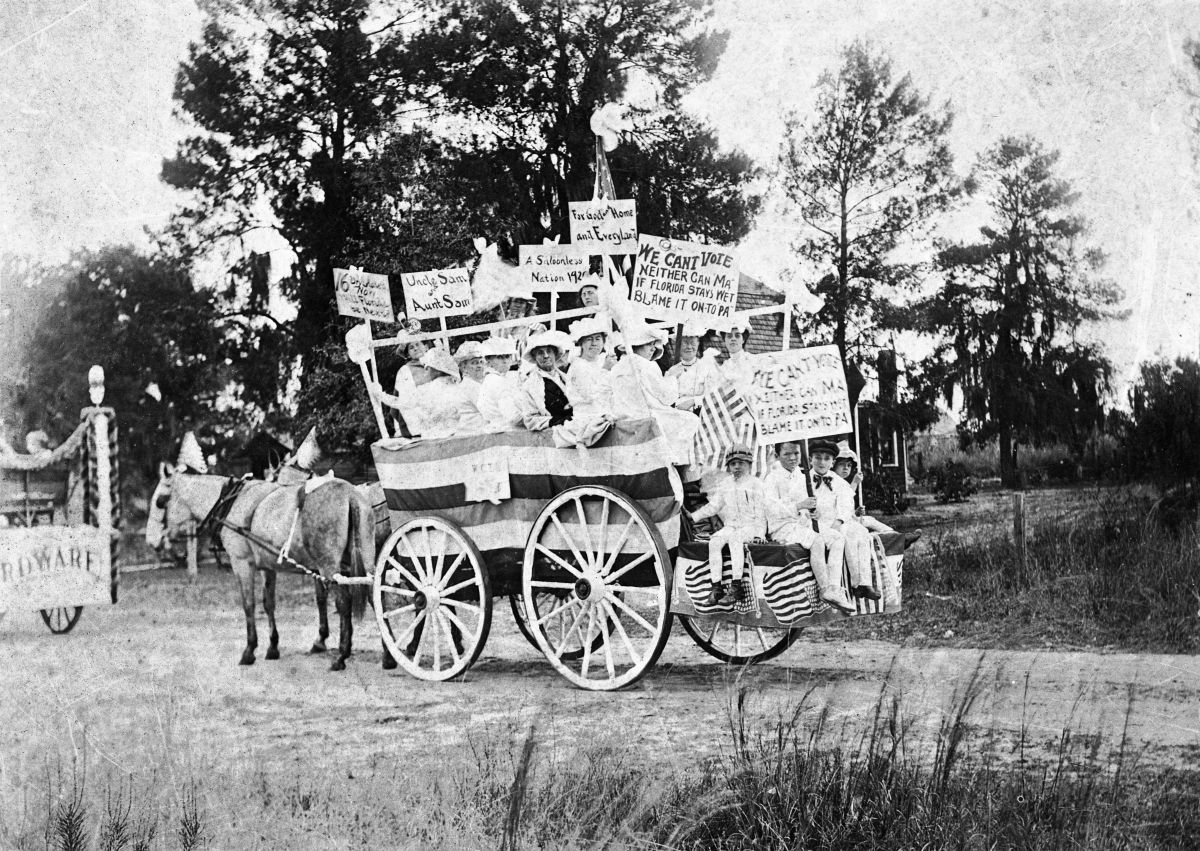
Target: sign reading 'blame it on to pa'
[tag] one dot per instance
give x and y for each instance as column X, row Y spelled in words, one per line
column 800, row 394
column 678, row 280
column 443, row 292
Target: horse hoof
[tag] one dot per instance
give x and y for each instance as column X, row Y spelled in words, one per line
column 318, row 647
column 247, row 659
column 389, row 663
column 273, row 653
column 338, row 665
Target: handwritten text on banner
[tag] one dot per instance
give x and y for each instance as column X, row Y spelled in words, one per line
column 554, row 268
column 678, row 281
column 443, row 292
column 604, row 227
column 363, row 294
column 800, row 394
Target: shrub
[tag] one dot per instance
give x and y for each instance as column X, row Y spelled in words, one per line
column 953, row 483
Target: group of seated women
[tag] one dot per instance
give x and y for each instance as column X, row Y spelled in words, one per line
column 578, row 382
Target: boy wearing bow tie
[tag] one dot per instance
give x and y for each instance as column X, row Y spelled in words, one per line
column 835, row 508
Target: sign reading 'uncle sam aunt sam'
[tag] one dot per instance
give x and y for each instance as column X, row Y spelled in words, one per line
column 442, row 292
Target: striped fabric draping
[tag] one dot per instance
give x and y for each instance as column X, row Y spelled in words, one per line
column 427, row 477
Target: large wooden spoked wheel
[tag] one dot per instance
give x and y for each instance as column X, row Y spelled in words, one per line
column 433, row 598
column 62, row 619
column 736, row 644
column 601, row 554
column 544, row 603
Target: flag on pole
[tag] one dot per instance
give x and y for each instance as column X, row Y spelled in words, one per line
column 604, row 188
column 724, row 417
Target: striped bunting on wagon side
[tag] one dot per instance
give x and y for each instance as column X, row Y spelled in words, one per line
column 428, row 477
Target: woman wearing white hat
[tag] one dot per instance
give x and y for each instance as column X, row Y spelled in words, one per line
column 499, row 395
column 544, row 389
column 589, row 388
column 409, row 378
column 436, row 402
column 641, row 390
column 693, row 375
column 473, row 368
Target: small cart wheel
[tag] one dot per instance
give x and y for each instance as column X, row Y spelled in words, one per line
column 433, row 598
column 62, row 619
column 736, row 644
column 602, row 557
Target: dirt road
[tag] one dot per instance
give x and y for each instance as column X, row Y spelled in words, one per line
column 153, row 685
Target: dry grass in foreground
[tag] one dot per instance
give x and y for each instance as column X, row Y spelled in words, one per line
column 789, row 784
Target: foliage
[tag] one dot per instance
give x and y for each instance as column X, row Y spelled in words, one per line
column 288, row 94
column 144, row 321
column 868, row 174
column 952, row 482
column 1010, row 307
column 881, row 496
column 528, row 76
column 1161, row 441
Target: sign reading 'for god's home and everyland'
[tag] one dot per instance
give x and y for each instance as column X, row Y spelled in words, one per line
column 800, row 394
column 604, row 227
column 363, row 294
column 443, row 292
column 44, row 567
column 678, row 280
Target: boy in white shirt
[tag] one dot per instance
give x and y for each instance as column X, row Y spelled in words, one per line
column 787, row 484
column 835, row 508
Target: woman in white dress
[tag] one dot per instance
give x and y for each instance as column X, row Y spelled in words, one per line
column 738, row 368
column 544, row 400
column 499, row 395
column 473, row 368
column 409, row 379
column 589, row 388
column 641, row 390
column 694, row 375
column 437, row 400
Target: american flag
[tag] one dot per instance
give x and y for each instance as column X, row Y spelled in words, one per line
column 604, row 188
column 725, row 419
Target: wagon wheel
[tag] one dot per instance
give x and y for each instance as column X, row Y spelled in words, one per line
column 545, row 602
column 433, row 598
column 602, row 553
column 736, row 644
column 62, row 619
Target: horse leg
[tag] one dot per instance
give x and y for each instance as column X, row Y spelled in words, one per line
column 269, row 608
column 245, row 577
column 346, row 631
column 322, row 595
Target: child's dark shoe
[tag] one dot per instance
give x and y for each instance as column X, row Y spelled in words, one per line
column 715, row 595
column 866, row 592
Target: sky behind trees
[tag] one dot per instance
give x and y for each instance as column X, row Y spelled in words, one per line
column 85, row 86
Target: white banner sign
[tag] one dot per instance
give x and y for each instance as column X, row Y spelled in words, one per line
column 604, row 227
column 363, row 294
column 801, row 394
column 44, row 567
column 678, row 281
column 554, row 268
column 443, row 292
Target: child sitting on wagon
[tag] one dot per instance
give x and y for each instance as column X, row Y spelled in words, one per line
column 744, row 505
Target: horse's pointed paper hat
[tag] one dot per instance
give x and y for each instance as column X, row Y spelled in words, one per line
column 190, row 454
column 308, row 454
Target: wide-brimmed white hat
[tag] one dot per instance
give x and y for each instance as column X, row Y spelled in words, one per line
column 439, row 359
column 556, row 339
column 640, row 334
column 845, row 452
column 499, row 346
column 692, row 328
column 468, row 350
column 588, row 326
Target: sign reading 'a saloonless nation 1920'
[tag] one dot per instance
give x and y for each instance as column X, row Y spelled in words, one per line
column 44, row 567
column 678, row 281
column 554, row 268
column 800, row 394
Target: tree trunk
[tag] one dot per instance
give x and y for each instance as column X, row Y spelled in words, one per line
column 1008, row 459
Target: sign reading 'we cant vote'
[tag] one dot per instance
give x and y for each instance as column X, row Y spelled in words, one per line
column 678, row 280
column 800, row 394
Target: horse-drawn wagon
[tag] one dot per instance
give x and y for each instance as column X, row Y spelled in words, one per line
column 60, row 508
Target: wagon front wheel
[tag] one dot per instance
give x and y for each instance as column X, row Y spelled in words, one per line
column 602, row 557
column 736, row 644
column 433, row 598
column 62, row 619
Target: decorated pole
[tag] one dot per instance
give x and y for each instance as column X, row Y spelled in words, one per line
column 103, row 517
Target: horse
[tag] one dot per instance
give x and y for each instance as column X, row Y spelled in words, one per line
column 318, row 529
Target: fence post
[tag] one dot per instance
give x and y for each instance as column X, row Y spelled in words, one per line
column 193, row 553
column 1018, row 504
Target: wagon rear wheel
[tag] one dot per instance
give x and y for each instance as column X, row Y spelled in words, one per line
column 602, row 557
column 736, row 644
column 556, row 625
column 62, row 619
column 433, row 598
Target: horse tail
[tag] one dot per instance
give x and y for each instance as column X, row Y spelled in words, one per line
column 360, row 549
